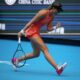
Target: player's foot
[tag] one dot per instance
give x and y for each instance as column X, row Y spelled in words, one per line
column 61, row 68
column 14, row 62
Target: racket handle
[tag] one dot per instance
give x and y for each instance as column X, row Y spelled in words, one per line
column 19, row 40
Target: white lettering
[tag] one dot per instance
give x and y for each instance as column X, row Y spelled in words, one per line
column 24, row 2
column 48, row 1
column 36, row 1
column 11, row 2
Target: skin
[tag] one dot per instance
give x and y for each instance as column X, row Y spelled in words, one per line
column 37, row 42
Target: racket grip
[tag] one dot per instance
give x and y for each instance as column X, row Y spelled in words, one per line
column 19, row 40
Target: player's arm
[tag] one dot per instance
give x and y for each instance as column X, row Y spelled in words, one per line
column 39, row 15
column 50, row 26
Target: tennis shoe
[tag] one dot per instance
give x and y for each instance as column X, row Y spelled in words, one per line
column 15, row 63
column 61, row 68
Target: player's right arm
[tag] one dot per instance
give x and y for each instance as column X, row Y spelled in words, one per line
column 38, row 16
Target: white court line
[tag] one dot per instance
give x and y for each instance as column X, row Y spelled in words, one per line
column 9, row 63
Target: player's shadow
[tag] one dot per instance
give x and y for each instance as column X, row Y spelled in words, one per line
column 48, row 73
column 38, row 72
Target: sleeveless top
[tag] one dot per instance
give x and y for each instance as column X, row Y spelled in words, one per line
column 36, row 26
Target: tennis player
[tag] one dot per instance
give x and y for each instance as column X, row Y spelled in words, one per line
column 32, row 32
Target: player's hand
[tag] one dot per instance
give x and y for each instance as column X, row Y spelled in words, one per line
column 19, row 34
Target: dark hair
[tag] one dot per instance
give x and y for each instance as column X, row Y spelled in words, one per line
column 57, row 6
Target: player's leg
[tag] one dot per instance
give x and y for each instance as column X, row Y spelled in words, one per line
column 34, row 54
column 37, row 40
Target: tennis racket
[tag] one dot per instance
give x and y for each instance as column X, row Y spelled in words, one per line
column 19, row 53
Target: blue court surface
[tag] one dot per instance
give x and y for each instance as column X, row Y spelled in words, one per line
column 39, row 68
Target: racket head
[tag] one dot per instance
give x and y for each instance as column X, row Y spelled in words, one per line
column 18, row 53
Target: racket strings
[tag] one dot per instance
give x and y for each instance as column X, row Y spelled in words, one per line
column 19, row 53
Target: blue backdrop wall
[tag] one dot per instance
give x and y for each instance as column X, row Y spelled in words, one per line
column 15, row 16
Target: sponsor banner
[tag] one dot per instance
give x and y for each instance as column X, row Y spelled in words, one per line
column 25, row 2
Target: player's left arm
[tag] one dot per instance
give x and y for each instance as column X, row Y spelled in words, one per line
column 50, row 26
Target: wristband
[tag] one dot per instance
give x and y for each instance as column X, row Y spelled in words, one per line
column 22, row 31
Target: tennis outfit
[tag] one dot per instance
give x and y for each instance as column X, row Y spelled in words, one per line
column 34, row 29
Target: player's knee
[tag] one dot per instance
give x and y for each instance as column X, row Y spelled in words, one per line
column 45, row 49
column 36, row 54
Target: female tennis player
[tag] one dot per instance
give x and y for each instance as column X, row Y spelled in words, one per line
column 31, row 31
